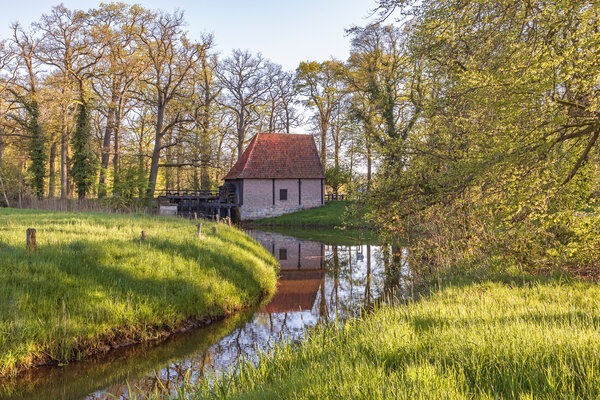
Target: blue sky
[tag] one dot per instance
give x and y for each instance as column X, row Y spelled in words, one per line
column 286, row 32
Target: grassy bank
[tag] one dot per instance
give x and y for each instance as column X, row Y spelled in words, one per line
column 332, row 214
column 93, row 283
column 517, row 338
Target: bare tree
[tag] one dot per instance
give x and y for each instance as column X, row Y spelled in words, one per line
column 243, row 77
column 208, row 92
column 116, row 26
column 7, row 76
column 281, row 98
column 172, row 59
column 66, row 46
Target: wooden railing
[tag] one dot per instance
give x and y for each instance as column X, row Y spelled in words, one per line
column 336, row 197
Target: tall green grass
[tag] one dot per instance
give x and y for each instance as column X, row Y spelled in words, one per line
column 93, row 281
column 526, row 339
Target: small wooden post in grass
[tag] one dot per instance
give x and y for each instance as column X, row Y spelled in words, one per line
column 229, row 221
column 31, row 243
column 199, row 232
column 143, row 236
column 218, row 218
column 195, row 215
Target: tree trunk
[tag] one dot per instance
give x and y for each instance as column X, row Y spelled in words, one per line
column 63, row 160
column 240, row 139
column 178, row 172
column 205, row 143
column 117, row 144
column 105, row 153
column 70, row 186
column 52, row 167
column 168, row 172
column 287, row 119
column 324, row 127
column 196, row 172
column 272, row 119
column 141, row 161
column 156, row 153
column 1, row 144
column 369, row 162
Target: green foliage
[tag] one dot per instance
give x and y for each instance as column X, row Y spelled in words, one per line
column 336, row 177
column 501, row 116
column 84, row 160
column 132, row 182
column 37, row 152
column 37, row 141
column 93, row 279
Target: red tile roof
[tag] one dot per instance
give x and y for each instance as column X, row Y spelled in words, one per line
column 280, row 156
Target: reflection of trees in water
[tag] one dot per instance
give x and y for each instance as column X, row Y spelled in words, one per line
column 355, row 278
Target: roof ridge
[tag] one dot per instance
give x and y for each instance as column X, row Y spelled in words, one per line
column 279, row 156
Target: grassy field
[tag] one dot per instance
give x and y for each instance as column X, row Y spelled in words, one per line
column 329, row 215
column 518, row 338
column 93, row 282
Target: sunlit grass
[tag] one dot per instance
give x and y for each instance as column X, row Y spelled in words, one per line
column 92, row 277
column 531, row 338
column 329, row 215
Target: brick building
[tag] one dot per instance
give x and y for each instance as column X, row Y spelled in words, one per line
column 277, row 174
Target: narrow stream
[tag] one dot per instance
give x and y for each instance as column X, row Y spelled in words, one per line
column 319, row 282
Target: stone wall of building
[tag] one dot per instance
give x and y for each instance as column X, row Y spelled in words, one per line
column 258, row 197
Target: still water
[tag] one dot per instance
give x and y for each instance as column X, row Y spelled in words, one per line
column 318, row 283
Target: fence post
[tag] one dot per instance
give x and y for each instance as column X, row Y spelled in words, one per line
column 199, row 231
column 143, row 236
column 31, row 243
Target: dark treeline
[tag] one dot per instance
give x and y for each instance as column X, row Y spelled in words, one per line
column 119, row 101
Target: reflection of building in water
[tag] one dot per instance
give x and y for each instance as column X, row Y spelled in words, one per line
column 296, row 291
column 292, row 253
column 302, row 271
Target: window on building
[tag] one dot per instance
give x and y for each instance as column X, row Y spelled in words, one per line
column 282, row 254
column 282, row 194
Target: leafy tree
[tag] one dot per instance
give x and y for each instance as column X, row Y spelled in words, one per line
column 84, row 161
column 26, row 46
column 508, row 125
column 37, row 142
column 320, row 84
column 37, row 151
column 336, row 177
